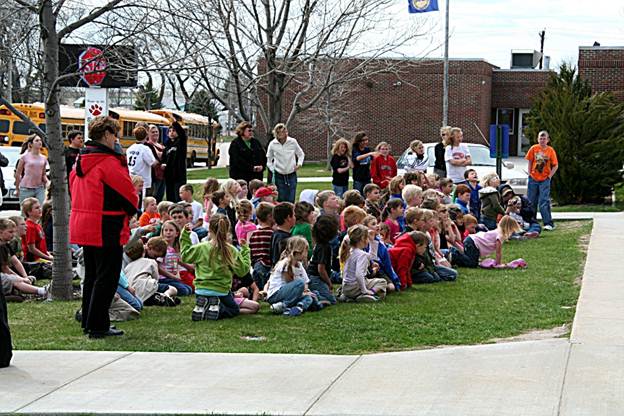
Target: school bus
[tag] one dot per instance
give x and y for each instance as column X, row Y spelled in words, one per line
column 202, row 135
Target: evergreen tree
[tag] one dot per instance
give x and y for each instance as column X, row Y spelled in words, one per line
column 147, row 97
column 587, row 132
column 201, row 103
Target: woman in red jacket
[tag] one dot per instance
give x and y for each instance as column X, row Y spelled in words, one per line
column 383, row 167
column 103, row 200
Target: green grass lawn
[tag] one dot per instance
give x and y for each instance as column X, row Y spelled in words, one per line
column 308, row 170
column 480, row 306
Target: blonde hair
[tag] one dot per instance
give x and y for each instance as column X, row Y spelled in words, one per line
column 278, row 128
column 383, row 144
column 470, row 219
column 395, row 183
column 219, row 227
column 28, row 204
column 414, row 214
column 507, row 226
column 355, row 235
column 227, row 186
column 148, row 200
column 336, row 147
column 294, row 245
column 410, row 191
column 450, row 138
column 163, row 207
column 414, row 144
column 485, row 180
column 136, row 180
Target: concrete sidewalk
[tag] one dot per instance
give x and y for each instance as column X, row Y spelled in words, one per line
column 580, row 376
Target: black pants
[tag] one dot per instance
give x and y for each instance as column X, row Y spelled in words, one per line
column 6, row 347
column 102, row 268
column 173, row 189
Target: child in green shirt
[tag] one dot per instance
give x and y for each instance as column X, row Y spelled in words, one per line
column 305, row 216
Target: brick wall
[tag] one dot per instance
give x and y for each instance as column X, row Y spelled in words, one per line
column 516, row 88
column 603, row 67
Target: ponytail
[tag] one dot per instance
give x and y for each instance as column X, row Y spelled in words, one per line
column 392, row 204
column 355, row 235
column 219, row 226
column 294, row 245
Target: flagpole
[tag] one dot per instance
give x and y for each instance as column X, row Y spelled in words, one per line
column 446, row 69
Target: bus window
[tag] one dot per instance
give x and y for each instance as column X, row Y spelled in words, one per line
column 164, row 134
column 19, row 127
column 4, row 126
column 42, row 127
column 128, row 127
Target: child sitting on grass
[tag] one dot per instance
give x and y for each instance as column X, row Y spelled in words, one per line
column 216, row 262
column 288, row 292
column 304, row 217
column 223, row 202
column 244, row 226
column 260, row 245
column 210, row 187
column 381, row 265
column 391, row 214
column 197, row 210
column 462, row 197
column 408, row 257
column 491, row 208
column 372, row 193
column 484, row 243
column 355, row 284
column 169, row 269
column 446, row 187
column 150, row 212
column 34, row 244
column 324, row 230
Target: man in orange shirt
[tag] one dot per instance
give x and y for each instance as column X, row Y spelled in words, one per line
column 542, row 167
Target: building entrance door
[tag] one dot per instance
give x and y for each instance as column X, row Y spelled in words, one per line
column 523, row 141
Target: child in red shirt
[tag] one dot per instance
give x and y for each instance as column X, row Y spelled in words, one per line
column 33, row 243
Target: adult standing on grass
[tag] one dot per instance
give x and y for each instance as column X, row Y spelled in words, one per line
column 175, row 160
column 543, row 165
column 30, row 173
column 158, row 170
column 103, row 200
column 439, row 168
column 457, row 156
column 247, row 157
column 284, row 158
column 362, row 157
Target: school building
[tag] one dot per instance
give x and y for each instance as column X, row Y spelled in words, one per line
column 405, row 105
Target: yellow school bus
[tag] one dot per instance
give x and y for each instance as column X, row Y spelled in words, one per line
column 202, row 135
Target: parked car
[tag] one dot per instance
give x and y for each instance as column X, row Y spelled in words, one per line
column 9, row 198
column 482, row 163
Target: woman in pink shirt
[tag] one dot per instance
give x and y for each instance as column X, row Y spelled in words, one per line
column 30, row 174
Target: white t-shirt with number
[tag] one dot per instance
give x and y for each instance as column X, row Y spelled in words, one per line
column 140, row 161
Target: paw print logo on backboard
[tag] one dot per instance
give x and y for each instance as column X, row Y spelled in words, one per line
column 95, row 110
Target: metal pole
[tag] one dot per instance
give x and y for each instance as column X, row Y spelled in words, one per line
column 446, row 69
column 499, row 151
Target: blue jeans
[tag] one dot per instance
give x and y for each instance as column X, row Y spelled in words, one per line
column 38, row 193
column 539, row 195
column 291, row 294
column 441, row 274
column 360, row 186
column 488, row 222
column 318, row 285
column 129, row 298
column 534, row 227
column 227, row 306
column 340, row 190
column 201, row 232
column 470, row 256
column 286, row 186
column 183, row 289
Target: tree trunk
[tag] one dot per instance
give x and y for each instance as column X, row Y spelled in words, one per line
column 62, row 266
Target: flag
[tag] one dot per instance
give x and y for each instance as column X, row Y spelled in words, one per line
column 422, row 6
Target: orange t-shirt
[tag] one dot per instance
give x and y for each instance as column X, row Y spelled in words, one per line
column 541, row 161
column 146, row 218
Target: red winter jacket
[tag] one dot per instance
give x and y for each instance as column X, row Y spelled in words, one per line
column 103, row 198
column 382, row 170
column 402, row 257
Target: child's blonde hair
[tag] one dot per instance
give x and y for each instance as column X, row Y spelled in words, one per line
column 163, row 207
column 136, row 180
column 339, row 143
column 470, row 219
column 411, row 191
column 295, row 245
column 451, row 139
column 507, row 226
column 355, row 235
column 414, row 214
column 227, row 187
column 415, row 144
column 219, row 227
column 395, row 184
column 28, row 204
column 148, row 200
column 381, row 144
column 487, row 178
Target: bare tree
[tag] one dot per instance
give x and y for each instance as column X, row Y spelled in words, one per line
column 277, row 58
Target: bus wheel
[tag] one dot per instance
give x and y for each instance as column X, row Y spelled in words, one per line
column 190, row 162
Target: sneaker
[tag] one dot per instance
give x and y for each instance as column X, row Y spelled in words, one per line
column 213, row 308
column 200, row 309
column 532, row 234
column 169, row 301
column 367, row 298
column 277, row 308
column 549, row 227
column 294, row 311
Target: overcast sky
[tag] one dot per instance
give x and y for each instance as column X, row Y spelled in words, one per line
column 489, row 29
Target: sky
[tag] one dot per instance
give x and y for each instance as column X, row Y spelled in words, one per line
column 490, row 29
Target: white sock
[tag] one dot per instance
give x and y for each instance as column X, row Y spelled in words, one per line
column 41, row 291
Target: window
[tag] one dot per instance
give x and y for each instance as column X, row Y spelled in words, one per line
column 19, row 127
column 128, row 127
column 505, row 116
column 4, row 126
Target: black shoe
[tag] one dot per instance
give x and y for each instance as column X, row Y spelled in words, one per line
column 103, row 334
column 78, row 315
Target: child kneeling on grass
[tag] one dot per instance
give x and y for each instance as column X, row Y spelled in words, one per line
column 482, row 244
column 216, row 262
column 288, row 292
column 355, row 285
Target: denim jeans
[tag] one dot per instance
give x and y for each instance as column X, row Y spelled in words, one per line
column 340, row 190
column 183, row 289
column 261, row 274
column 201, row 232
column 534, row 227
column 158, row 189
column 286, row 186
column 291, row 294
column 441, row 274
column 318, row 285
column 38, row 193
column 488, row 222
column 227, row 306
column 360, row 186
column 129, row 298
column 470, row 256
column 539, row 195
